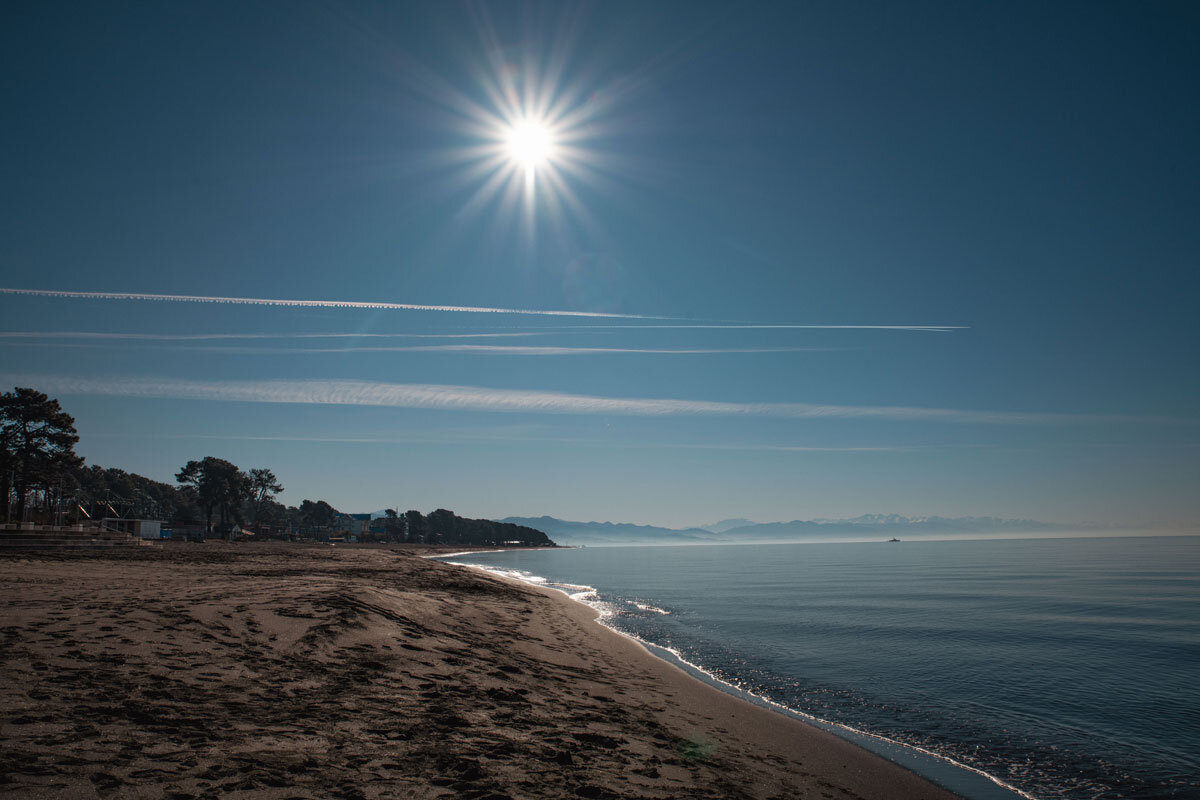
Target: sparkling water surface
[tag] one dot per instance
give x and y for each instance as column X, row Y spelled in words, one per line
column 1068, row 668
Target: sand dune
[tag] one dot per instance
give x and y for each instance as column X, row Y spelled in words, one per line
column 303, row 672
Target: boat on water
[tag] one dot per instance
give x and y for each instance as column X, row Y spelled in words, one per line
column 893, row 539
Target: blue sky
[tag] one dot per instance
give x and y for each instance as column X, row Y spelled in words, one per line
column 1024, row 179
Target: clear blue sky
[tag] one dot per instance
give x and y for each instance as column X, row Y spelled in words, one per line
column 1026, row 176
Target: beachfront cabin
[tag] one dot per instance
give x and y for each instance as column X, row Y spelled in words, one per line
column 137, row 528
column 188, row 532
column 230, row 531
column 358, row 524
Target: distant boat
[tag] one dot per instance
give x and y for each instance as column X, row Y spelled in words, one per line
column 893, row 539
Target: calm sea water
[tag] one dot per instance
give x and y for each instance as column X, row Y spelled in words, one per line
column 1068, row 668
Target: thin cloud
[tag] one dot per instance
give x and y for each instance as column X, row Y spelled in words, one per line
column 203, row 337
column 771, row 326
column 353, row 304
column 519, row 350
column 486, row 439
column 478, row 398
column 470, row 349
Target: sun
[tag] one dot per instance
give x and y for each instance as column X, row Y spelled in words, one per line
column 522, row 140
column 529, row 144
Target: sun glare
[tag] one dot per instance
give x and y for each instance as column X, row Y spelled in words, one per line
column 525, row 139
column 530, row 144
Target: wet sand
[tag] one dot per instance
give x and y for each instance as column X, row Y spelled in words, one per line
column 259, row 671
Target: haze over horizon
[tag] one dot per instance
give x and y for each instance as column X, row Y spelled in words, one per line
column 680, row 265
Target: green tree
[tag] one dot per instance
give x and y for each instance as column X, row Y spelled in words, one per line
column 275, row 517
column 415, row 527
column 263, row 488
column 220, row 485
column 393, row 525
column 319, row 515
column 37, row 445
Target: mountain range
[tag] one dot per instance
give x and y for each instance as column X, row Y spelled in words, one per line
column 567, row 532
column 744, row 530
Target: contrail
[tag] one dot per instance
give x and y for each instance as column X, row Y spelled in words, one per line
column 734, row 325
column 202, row 337
column 478, row 398
column 527, row 350
column 468, row 349
column 264, row 301
column 358, row 304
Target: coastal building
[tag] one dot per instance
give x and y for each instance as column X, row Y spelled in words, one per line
column 138, row 528
column 187, row 532
column 358, row 524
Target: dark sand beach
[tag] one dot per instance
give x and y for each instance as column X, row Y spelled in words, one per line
column 262, row 671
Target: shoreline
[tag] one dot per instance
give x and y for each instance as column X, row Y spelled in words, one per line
column 274, row 672
column 685, row 677
column 751, row 720
column 962, row 780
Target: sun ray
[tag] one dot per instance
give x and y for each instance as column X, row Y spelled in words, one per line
column 527, row 130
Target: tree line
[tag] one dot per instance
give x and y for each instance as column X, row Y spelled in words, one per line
column 37, row 450
column 43, row 480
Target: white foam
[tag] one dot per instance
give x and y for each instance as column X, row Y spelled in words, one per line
column 514, row 574
column 820, row 722
column 646, row 607
column 589, row 596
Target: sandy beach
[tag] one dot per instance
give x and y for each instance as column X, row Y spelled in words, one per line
column 315, row 672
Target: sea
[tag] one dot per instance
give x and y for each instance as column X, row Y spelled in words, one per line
column 1000, row 668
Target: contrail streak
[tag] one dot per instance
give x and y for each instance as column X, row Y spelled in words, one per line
column 733, row 325
column 203, row 337
column 468, row 349
column 357, row 304
column 518, row 350
column 354, row 304
column 478, row 398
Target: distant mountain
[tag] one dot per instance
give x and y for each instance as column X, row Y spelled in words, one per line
column 870, row 524
column 568, row 532
column 742, row 530
column 960, row 523
column 728, row 524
